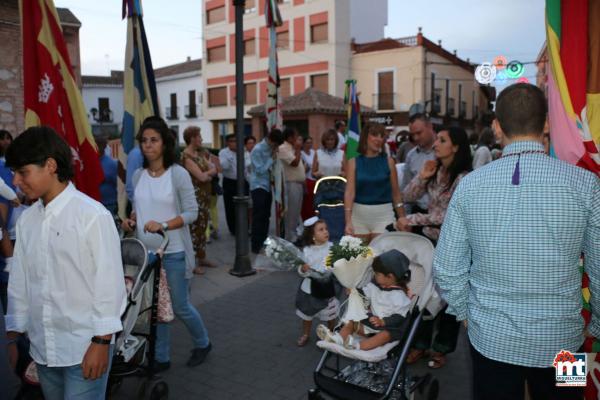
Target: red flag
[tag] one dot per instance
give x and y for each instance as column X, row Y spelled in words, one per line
column 52, row 97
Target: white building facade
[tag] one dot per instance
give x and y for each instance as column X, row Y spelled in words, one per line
column 103, row 99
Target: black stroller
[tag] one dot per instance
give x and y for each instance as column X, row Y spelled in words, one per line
column 329, row 204
column 382, row 373
column 137, row 340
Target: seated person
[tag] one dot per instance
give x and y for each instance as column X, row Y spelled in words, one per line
column 389, row 299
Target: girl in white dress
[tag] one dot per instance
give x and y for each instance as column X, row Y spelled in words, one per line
column 316, row 294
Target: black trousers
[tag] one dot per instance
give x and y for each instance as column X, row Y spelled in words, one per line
column 229, row 189
column 495, row 380
column 261, row 215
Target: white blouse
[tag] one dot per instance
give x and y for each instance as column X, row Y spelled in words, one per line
column 315, row 257
column 330, row 162
column 308, row 161
column 387, row 302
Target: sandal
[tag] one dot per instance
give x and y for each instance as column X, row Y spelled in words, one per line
column 414, row 355
column 302, row 340
column 205, row 263
column 199, row 271
column 437, row 360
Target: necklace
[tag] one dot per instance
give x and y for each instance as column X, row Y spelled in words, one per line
column 155, row 173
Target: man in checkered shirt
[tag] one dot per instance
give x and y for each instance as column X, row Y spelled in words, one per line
column 508, row 255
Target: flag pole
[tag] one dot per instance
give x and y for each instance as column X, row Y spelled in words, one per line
column 242, row 265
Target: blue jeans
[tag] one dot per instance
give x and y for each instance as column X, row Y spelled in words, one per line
column 60, row 383
column 174, row 265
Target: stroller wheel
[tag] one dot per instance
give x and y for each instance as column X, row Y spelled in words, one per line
column 153, row 389
column 427, row 390
column 314, row 394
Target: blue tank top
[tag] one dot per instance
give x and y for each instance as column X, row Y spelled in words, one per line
column 372, row 180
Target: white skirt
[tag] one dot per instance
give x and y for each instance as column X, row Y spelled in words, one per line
column 367, row 219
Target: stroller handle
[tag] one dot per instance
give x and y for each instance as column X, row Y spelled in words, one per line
column 163, row 245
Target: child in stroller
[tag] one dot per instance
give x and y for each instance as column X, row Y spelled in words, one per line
column 389, row 299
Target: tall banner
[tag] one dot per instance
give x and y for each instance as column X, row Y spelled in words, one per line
column 573, row 40
column 52, row 97
column 139, row 87
column 353, row 125
column 273, row 109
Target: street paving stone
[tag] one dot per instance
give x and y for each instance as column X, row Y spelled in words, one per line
column 253, row 328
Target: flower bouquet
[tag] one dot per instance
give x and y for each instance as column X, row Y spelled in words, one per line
column 350, row 260
column 285, row 255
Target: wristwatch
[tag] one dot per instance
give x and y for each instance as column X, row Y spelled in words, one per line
column 165, row 226
column 97, row 340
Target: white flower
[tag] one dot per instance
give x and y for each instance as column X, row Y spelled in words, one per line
column 351, row 242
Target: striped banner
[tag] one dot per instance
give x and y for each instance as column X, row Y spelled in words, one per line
column 353, row 125
column 52, row 97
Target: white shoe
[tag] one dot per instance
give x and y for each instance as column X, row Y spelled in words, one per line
column 325, row 334
column 351, row 343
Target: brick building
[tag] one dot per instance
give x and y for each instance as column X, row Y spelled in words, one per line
column 11, row 71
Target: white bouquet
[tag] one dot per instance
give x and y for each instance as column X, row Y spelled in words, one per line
column 284, row 254
column 350, row 261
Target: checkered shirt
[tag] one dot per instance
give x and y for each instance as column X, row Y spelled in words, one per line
column 507, row 258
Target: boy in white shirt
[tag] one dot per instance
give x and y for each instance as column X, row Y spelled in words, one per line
column 66, row 288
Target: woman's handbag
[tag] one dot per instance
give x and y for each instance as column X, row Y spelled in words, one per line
column 217, row 190
column 165, row 306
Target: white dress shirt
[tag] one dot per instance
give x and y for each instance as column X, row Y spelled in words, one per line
column 66, row 283
column 228, row 160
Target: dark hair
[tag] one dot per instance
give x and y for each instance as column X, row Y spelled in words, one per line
column 487, row 138
column 339, row 123
column 230, row 136
column 249, row 138
column 330, row 133
column 276, row 136
column 36, row 145
column 371, row 128
column 463, row 161
column 521, row 109
column 5, row 134
column 289, row 132
column 379, row 266
column 168, row 140
column 474, row 138
column 306, row 138
column 422, row 116
column 189, row 133
column 309, row 232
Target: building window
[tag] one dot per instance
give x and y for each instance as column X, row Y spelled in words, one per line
column 385, row 90
column 318, row 33
column 104, row 112
column 283, row 1
column 437, row 100
column 462, row 109
column 283, row 40
column 215, row 15
column 171, row 111
column 250, row 47
column 450, row 110
column 217, row 97
column 190, row 111
column 284, row 87
column 250, row 93
column 250, row 6
column 320, row 82
column 216, row 54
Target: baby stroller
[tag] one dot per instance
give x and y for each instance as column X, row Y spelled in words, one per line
column 329, row 204
column 138, row 337
column 381, row 373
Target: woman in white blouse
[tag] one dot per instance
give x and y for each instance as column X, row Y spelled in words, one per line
column 329, row 160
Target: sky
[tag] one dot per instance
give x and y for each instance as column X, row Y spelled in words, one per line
column 479, row 30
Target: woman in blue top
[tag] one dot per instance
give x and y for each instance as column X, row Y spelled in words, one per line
column 372, row 191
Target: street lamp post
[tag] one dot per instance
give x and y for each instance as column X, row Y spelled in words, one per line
column 242, row 265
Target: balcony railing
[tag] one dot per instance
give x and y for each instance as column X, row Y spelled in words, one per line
column 385, row 101
column 193, row 111
column 172, row 112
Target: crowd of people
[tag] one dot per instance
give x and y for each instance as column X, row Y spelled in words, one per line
column 508, row 222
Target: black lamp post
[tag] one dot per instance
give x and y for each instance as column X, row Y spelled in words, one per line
column 242, row 265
